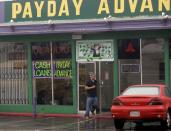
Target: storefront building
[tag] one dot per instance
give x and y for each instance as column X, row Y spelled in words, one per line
column 47, row 49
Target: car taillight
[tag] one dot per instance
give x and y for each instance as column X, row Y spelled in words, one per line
column 116, row 102
column 155, row 101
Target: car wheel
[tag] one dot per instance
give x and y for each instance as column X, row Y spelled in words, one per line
column 139, row 124
column 166, row 123
column 119, row 124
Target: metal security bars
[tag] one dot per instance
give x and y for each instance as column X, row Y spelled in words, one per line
column 13, row 73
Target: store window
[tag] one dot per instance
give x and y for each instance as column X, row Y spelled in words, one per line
column 13, row 73
column 152, row 61
column 52, row 73
column 141, row 61
column 170, row 57
column 129, row 62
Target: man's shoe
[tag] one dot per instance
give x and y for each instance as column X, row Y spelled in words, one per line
column 97, row 111
column 86, row 117
column 93, row 114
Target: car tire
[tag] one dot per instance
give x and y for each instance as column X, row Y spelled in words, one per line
column 139, row 124
column 119, row 124
column 165, row 124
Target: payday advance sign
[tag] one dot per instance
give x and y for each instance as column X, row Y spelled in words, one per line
column 40, row 10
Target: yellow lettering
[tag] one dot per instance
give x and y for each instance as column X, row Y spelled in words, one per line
column 39, row 8
column 118, row 9
column 16, row 9
column 165, row 3
column 146, row 4
column 133, row 5
column 64, row 8
column 103, row 7
column 77, row 6
column 27, row 10
column 51, row 8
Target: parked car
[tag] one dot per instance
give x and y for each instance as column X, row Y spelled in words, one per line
column 141, row 103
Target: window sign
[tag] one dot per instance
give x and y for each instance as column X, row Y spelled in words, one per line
column 40, row 51
column 130, row 68
column 62, row 69
column 128, row 49
column 95, row 50
column 41, row 69
column 61, row 50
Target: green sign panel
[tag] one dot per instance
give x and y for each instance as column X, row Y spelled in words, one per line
column 44, row 10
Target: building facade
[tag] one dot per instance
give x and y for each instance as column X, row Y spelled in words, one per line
column 47, row 49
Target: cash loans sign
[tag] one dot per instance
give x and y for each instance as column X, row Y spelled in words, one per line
column 41, row 69
column 36, row 10
column 61, row 69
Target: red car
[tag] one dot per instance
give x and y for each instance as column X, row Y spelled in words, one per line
column 140, row 103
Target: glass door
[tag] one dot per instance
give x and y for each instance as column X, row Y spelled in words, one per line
column 106, row 85
column 104, row 77
column 83, row 69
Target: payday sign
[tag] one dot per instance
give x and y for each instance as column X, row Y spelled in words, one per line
column 40, row 10
column 61, row 69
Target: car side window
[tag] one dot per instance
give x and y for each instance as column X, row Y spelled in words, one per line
column 167, row 92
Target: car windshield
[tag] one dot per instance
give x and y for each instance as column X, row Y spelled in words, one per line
column 141, row 91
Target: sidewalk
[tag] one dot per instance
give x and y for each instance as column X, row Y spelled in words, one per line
column 57, row 123
column 106, row 115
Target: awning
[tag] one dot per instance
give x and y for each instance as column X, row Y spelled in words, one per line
column 85, row 26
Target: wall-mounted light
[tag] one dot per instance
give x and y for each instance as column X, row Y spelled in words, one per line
column 108, row 18
column 12, row 25
column 51, row 24
column 11, row 21
column 108, row 21
column 164, row 17
column 49, row 21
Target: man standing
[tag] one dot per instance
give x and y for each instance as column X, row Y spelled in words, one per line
column 92, row 101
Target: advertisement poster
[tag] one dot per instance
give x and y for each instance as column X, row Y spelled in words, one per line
column 95, row 50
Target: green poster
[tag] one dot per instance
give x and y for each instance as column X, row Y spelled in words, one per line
column 95, row 50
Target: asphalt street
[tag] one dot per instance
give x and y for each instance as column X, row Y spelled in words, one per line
column 12, row 123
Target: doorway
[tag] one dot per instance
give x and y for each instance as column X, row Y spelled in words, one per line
column 104, row 75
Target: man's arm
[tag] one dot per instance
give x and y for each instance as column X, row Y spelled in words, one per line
column 90, row 87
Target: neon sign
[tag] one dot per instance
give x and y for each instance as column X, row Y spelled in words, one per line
column 41, row 69
column 61, row 69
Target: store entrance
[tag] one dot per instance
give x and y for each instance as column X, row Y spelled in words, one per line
column 104, row 76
